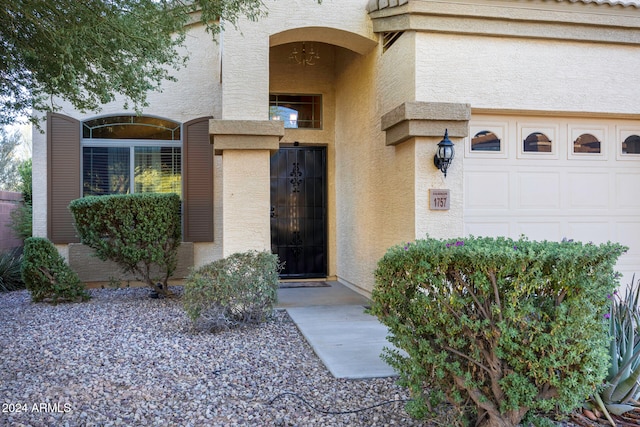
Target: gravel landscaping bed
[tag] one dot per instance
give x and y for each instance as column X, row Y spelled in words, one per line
column 126, row 359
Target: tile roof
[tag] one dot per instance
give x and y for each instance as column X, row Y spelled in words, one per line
column 383, row 4
column 625, row 3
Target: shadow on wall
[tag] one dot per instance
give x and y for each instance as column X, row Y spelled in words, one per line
column 8, row 201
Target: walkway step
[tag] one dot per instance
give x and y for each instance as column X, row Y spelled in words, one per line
column 348, row 341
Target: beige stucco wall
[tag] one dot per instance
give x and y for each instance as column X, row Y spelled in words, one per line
column 378, row 195
column 246, row 49
column 245, row 200
column 196, row 93
column 374, row 183
column 521, row 74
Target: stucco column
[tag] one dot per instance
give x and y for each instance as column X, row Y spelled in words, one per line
column 246, row 147
column 245, row 72
column 421, row 125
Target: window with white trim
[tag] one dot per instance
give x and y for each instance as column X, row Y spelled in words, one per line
column 131, row 154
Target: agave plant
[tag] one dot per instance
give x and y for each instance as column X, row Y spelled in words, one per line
column 10, row 276
column 622, row 389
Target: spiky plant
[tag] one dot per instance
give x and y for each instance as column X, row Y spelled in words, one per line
column 10, row 276
column 621, row 391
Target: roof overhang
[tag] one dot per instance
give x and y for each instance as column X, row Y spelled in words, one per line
column 577, row 20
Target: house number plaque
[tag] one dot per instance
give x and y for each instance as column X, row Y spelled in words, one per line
column 439, row 200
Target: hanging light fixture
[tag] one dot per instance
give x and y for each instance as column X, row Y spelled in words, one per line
column 304, row 56
column 442, row 159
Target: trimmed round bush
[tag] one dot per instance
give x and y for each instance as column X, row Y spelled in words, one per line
column 238, row 290
column 140, row 232
column 46, row 274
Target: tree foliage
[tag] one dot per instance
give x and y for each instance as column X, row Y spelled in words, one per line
column 87, row 52
column 21, row 216
column 9, row 173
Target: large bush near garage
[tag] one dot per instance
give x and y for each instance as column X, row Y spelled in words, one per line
column 238, row 290
column 140, row 232
column 511, row 326
column 46, row 274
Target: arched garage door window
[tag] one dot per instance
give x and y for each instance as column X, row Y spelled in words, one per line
column 631, row 145
column 537, row 142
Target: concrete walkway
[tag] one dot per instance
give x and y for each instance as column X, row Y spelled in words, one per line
column 332, row 319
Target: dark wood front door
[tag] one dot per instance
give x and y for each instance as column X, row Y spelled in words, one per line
column 299, row 211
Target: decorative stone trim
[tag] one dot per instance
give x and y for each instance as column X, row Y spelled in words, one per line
column 413, row 119
column 374, row 5
column 383, row 4
column 89, row 268
column 245, row 134
column 562, row 20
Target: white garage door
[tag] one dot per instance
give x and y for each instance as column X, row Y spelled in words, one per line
column 550, row 178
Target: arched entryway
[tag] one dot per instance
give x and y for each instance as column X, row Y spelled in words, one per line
column 304, row 67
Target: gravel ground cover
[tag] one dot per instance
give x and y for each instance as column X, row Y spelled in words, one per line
column 124, row 359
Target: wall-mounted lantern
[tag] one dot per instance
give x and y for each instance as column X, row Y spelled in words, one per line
column 444, row 156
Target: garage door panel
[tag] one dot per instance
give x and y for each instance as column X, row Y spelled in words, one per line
column 487, row 228
column 628, row 233
column 586, row 194
column 628, row 190
column 588, row 190
column 538, row 190
column 487, row 190
column 596, row 231
column 539, row 230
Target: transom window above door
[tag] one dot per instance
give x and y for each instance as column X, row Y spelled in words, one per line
column 296, row 111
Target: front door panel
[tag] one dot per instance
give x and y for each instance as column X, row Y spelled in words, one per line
column 298, row 211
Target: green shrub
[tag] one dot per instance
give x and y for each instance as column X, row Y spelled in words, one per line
column 140, row 232
column 510, row 326
column 237, row 290
column 10, row 266
column 47, row 276
column 21, row 222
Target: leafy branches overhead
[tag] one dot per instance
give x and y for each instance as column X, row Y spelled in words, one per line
column 87, row 52
column 9, row 164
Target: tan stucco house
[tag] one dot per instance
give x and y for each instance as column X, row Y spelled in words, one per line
column 312, row 133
